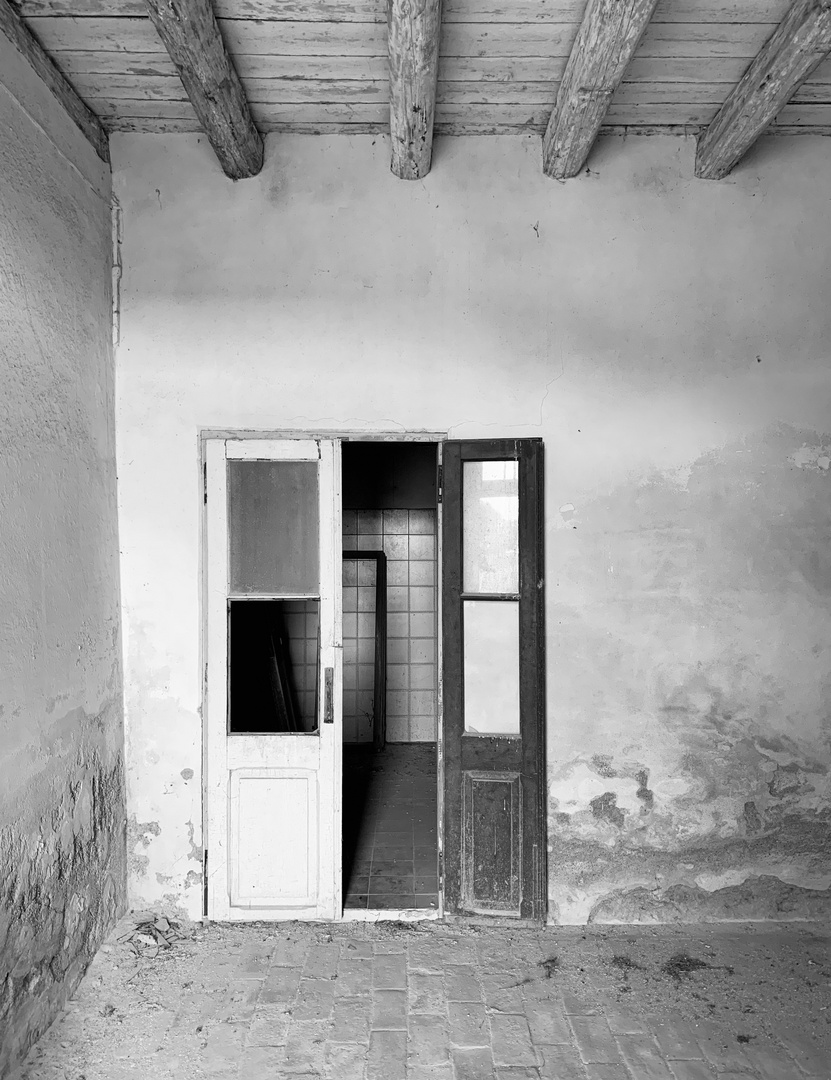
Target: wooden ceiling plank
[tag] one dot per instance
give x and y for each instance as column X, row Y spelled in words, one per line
column 519, row 116
column 791, row 53
column 190, row 33
column 504, row 40
column 487, row 69
column 169, row 88
column 21, row 37
column 414, row 29
column 117, row 88
column 607, row 39
column 679, row 11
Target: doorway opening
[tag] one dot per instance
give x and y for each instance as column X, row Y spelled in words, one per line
column 390, row 676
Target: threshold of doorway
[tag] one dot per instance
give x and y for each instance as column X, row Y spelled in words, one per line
column 390, row 915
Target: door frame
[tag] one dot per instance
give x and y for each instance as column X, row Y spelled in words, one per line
column 343, row 435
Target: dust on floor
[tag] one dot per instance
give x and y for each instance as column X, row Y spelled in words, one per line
column 362, row 1000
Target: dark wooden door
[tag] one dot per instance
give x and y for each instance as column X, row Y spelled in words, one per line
column 494, row 678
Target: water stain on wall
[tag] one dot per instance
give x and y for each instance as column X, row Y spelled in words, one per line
column 701, row 786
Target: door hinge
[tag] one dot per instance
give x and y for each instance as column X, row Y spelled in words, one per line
column 205, row 481
column 441, row 482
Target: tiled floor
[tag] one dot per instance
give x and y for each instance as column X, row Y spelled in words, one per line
column 390, row 837
column 433, row 1001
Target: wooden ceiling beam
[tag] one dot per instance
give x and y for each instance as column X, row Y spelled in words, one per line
column 413, row 28
column 607, row 38
column 191, row 35
column 22, row 38
column 787, row 58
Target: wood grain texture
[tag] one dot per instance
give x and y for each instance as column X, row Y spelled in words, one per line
column 796, row 47
column 606, row 41
column 472, row 11
column 29, row 47
column 190, row 33
column 114, row 89
column 413, row 31
column 158, row 126
column 291, row 38
column 488, row 70
column 305, row 117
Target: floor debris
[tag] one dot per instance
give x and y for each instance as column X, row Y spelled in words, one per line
column 362, row 1001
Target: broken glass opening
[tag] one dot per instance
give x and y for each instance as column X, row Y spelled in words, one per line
column 273, row 676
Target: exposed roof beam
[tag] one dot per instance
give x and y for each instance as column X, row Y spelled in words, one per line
column 413, row 28
column 788, row 57
column 607, row 38
column 28, row 46
column 190, row 33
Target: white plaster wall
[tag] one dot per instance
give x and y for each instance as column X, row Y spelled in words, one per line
column 61, row 733
column 639, row 320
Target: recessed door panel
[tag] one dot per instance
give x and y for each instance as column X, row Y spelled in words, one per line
column 491, row 842
column 273, row 827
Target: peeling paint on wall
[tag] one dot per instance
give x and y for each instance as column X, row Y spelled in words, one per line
column 812, row 457
column 711, row 796
column 165, row 801
column 140, row 835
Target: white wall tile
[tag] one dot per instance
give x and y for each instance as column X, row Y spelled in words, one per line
column 408, row 538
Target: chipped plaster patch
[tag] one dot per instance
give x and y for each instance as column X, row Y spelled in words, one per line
column 566, row 516
column 140, row 833
column 814, row 458
column 672, row 787
column 576, row 791
column 790, row 871
column 195, row 852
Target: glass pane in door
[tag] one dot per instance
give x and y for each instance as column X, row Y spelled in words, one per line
column 490, row 509
column 273, row 528
column 491, row 667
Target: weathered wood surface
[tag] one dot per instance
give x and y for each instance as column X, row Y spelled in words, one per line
column 12, row 25
column 543, row 11
column 606, row 41
column 307, row 51
column 155, row 126
column 796, row 47
column 530, row 117
column 119, row 88
column 452, row 118
column 414, row 28
column 245, row 36
column 190, row 33
column 487, row 69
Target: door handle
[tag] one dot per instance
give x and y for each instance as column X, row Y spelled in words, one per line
column 329, row 696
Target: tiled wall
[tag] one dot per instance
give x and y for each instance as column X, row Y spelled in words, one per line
column 408, row 538
column 301, row 621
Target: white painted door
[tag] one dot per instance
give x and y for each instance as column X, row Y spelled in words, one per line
column 274, row 664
